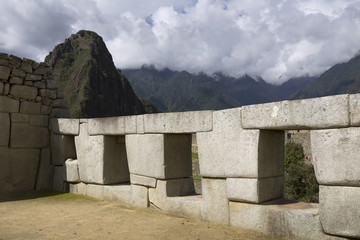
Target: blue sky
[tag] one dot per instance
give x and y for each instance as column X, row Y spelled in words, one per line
column 272, row 39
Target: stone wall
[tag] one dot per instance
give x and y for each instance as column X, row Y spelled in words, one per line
column 28, row 98
column 145, row 161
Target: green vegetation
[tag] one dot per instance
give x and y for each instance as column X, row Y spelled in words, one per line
column 300, row 180
column 195, row 155
column 196, row 177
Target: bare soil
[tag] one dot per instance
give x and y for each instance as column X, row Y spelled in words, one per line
column 67, row 216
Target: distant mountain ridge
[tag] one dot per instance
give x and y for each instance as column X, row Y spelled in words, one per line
column 87, row 76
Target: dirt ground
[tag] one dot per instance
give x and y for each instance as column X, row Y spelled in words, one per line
column 67, row 216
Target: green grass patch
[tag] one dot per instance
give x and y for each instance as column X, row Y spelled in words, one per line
column 196, row 177
column 195, row 155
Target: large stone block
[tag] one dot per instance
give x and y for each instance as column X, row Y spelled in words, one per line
column 121, row 193
column 180, row 122
column 324, row 112
column 59, row 183
column 9, row 105
column 78, row 188
column 47, row 93
column 4, row 129
column 39, row 120
column 279, row 219
column 102, row 159
column 139, row 196
column 62, row 148
column 60, row 113
column 26, row 136
column 254, row 190
column 142, row 180
column 65, row 126
column 18, row 169
column 4, row 72
column 95, row 191
column 19, row 118
column 21, row 91
column 336, row 156
column 230, row 151
column 71, row 171
column 31, row 108
column 215, row 202
column 354, row 102
column 340, row 210
column 159, row 156
column 46, row 171
column 189, row 206
column 112, row 125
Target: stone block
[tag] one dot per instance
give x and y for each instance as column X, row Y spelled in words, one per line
column 71, row 171
column 6, row 89
column 40, row 84
column 26, row 136
column 47, row 93
column 78, row 188
column 21, row 91
column 15, row 61
column 180, row 122
column 26, row 67
column 18, row 169
column 189, row 206
column 230, row 151
column 43, row 70
column 18, row 73
column 340, row 210
column 30, row 108
column 254, row 190
column 39, row 120
column 4, row 129
column 279, row 219
column 16, row 80
column 59, row 184
column 142, row 180
column 4, row 62
column 59, row 103
column 52, row 84
column 29, row 83
column 45, row 110
column 4, row 73
column 62, row 148
column 65, row 126
column 336, row 156
column 140, row 127
column 19, row 118
column 159, row 156
column 354, row 102
column 95, row 191
column 112, row 125
column 9, row 105
column 215, row 206
column 324, row 112
column 1, row 87
column 139, row 196
column 60, row 113
column 102, row 159
column 120, row 193
column 46, row 171
column 32, row 77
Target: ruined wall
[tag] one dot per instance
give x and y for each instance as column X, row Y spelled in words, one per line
column 28, row 98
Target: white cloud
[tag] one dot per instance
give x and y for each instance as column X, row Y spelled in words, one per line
column 273, row 39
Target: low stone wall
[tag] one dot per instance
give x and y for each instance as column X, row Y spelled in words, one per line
column 145, row 161
column 28, row 98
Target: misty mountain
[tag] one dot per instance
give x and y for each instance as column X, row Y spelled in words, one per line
column 87, row 76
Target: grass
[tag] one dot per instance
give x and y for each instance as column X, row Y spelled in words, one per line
column 195, row 155
column 196, row 177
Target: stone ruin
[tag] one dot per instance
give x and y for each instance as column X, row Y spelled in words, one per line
column 145, row 160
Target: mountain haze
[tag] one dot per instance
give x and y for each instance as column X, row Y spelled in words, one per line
column 87, row 76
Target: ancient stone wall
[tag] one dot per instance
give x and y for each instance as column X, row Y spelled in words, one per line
column 28, row 98
column 145, row 161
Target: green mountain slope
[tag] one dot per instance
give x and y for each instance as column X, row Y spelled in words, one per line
column 92, row 86
column 339, row 79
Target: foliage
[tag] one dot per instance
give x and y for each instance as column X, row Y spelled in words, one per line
column 300, row 180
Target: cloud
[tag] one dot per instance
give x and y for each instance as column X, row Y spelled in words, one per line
column 272, row 39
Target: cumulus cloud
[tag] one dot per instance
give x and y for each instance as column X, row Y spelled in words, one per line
column 272, row 39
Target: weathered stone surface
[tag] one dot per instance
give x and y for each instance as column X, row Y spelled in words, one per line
column 18, row 168
column 25, row 92
column 18, row 73
column 112, row 125
column 324, row 112
column 254, row 190
column 32, row 77
column 142, row 180
column 46, row 171
column 39, row 120
column 279, row 219
column 16, row 80
column 43, row 70
column 59, row 94
column 215, row 202
column 38, row 99
column 4, row 55
column 19, row 118
column 118, row 193
column 189, row 206
column 159, row 156
column 59, row 184
column 180, row 122
column 71, row 171
column 340, row 210
column 62, row 148
column 26, row 136
column 47, row 93
column 4, row 62
column 101, row 159
column 354, row 103
column 27, row 67
column 29, row 83
column 47, row 101
column 1, row 87
column 139, row 196
column 45, row 110
column 6, row 89
column 15, row 61
column 59, row 103
column 140, row 127
column 39, row 84
column 51, row 84
column 65, row 126
column 59, row 113
column 9, row 105
column 32, row 108
column 4, row 72
column 4, row 129
column 78, row 188
column 95, row 191
column 230, row 151
column 336, row 156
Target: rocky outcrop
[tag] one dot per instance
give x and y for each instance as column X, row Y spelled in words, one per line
column 92, row 85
